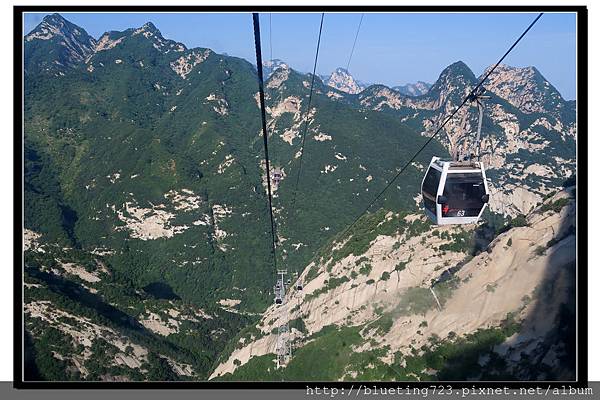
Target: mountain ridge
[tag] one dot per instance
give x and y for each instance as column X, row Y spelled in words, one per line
column 414, row 89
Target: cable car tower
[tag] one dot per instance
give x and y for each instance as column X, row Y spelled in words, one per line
column 299, row 285
column 283, row 347
column 279, row 288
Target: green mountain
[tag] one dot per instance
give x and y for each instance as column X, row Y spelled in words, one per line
column 148, row 250
column 55, row 46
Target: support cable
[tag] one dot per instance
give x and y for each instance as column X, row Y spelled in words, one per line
column 256, row 23
column 354, row 44
column 312, row 83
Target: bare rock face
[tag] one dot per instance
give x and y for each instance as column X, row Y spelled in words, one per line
column 524, row 88
column 489, row 287
column 151, row 33
column 184, row 65
column 73, row 43
column 414, row 89
column 76, row 46
column 74, row 38
column 341, row 80
column 126, row 353
column 270, row 66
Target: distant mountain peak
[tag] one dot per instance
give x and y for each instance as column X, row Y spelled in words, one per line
column 413, row 89
column 458, row 64
column 149, row 26
column 54, row 18
column 269, row 66
column 454, row 80
column 148, row 30
column 342, row 80
column 525, row 88
column 53, row 25
column 56, row 44
column 458, row 68
column 275, row 63
column 57, row 20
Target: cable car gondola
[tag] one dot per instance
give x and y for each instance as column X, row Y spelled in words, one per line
column 454, row 192
column 278, row 294
column 298, row 281
column 277, row 176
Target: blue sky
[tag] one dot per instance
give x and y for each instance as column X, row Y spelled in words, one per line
column 392, row 49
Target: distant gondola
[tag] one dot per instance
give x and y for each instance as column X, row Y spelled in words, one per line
column 278, row 293
column 277, row 176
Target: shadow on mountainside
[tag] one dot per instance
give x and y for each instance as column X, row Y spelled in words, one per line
column 31, row 371
column 544, row 345
column 79, row 294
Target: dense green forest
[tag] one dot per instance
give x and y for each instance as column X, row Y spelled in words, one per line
column 133, row 116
